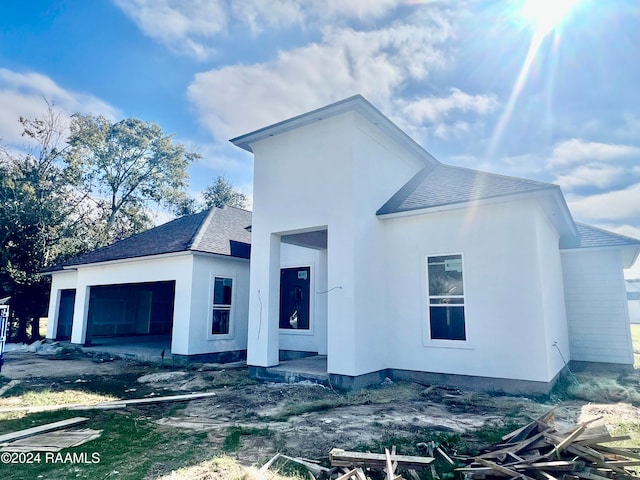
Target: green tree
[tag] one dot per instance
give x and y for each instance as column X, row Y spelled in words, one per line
column 127, row 167
column 222, row 193
column 41, row 218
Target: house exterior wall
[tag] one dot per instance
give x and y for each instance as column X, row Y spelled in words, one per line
column 508, row 259
column 551, row 287
column 63, row 280
column 205, row 269
column 330, row 175
column 597, row 309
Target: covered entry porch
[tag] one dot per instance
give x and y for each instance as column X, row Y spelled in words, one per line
column 297, row 304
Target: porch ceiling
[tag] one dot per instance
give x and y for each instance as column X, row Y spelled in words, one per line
column 316, row 239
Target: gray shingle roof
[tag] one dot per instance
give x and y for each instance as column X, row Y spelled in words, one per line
column 591, row 237
column 440, row 185
column 218, row 230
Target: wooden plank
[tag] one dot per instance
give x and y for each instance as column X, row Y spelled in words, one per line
column 266, row 466
column 171, row 398
column 312, row 467
column 605, row 438
column 342, row 458
column 389, row 464
column 566, row 441
column 10, row 437
column 560, row 466
column 348, row 475
column 617, row 451
column 52, row 441
column 445, row 456
column 502, row 470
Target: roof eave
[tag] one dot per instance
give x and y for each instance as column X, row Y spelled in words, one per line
column 467, row 204
column 124, row 260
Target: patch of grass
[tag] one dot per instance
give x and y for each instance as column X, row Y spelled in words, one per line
column 232, row 440
column 232, row 378
column 17, row 397
column 635, row 337
column 382, row 394
column 493, row 431
column 603, row 388
column 133, row 447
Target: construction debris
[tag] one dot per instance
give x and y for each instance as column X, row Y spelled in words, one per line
column 537, row 451
column 540, row 451
column 52, row 441
column 114, row 404
column 341, row 458
column 51, row 437
column 29, row 432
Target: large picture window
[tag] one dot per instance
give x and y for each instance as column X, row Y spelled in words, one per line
column 446, row 298
column 221, row 316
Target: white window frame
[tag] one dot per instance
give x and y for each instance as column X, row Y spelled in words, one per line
column 212, row 306
column 437, row 342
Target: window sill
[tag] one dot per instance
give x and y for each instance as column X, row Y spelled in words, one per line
column 450, row 344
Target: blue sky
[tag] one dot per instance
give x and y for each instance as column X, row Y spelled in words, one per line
column 548, row 94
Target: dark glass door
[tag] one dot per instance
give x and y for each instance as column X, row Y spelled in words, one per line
column 294, row 298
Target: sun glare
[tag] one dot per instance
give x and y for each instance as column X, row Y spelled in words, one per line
column 546, row 15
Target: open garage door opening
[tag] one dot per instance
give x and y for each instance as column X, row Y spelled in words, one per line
column 141, row 310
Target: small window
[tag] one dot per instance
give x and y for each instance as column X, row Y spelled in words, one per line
column 446, row 298
column 222, row 290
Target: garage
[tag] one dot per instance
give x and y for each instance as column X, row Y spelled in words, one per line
column 132, row 309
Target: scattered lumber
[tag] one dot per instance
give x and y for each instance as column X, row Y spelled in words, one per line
column 342, row 458
column 111, row 405
column 52, row 441
column 538, row 451
column 29, row 432
column 148, row 400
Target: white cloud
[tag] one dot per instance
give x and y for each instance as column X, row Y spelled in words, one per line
column 284, row 13
column 191, row 26
column 183, row 26
column 576, row 150
column 613, row 205
column 24, row 94
column 435, row 109
column 595, row 174
column 235, row 99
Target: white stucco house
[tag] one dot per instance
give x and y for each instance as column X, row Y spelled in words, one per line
column 367, row 252
column 186, row 281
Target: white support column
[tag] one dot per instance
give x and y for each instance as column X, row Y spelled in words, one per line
column 264, row 301
column 80, row 315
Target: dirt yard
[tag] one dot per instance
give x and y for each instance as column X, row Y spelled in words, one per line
column 250, row 421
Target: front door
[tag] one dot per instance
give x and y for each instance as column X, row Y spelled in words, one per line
column 65, row 314
column 294, row 298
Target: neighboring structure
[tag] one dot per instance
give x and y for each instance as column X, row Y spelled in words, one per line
column 633, row 297
column 186, row 280
column 368, row 250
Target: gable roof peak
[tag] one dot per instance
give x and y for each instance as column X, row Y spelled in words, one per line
column 356, row 103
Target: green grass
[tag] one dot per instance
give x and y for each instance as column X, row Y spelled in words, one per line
column 233, row 439
column 132, row 446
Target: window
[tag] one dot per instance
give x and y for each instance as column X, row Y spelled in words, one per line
column 446, row 298
column 222, row 289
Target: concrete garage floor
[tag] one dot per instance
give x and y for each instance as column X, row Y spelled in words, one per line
column 142, row 348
